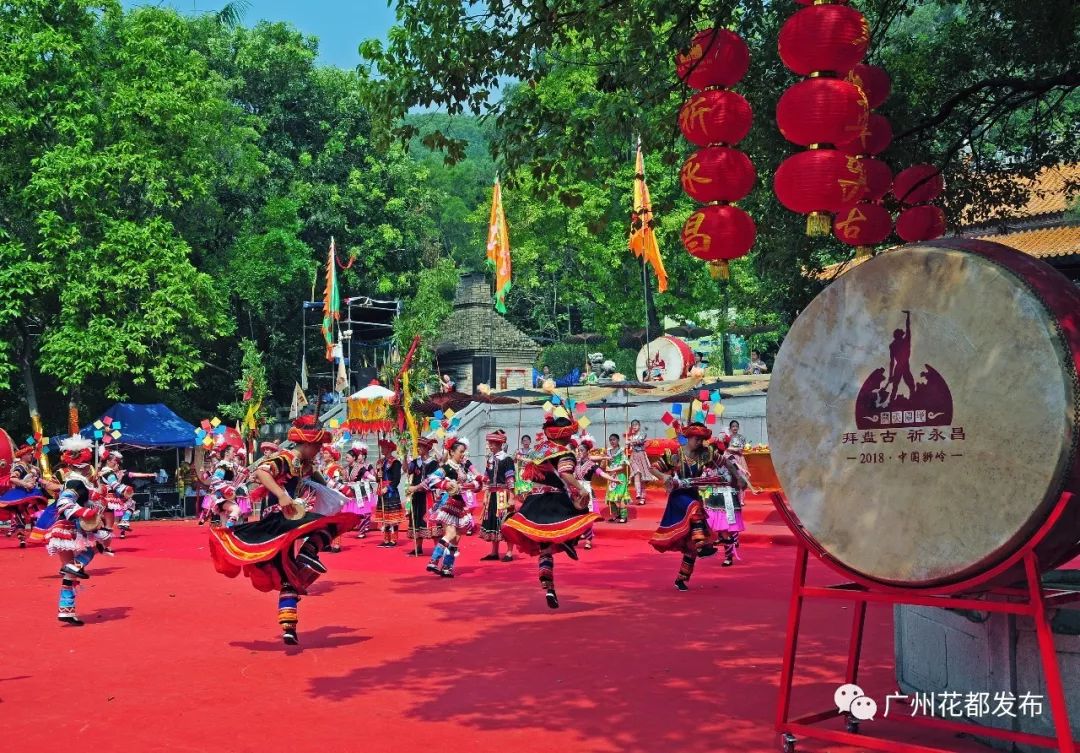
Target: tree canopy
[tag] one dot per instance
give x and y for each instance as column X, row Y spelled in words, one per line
column 169, row 184
column 984, row 90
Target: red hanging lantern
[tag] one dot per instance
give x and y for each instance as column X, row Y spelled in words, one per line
column 716, row 57
column 873, row 138
column 879, row 179
column 918, row 185
column 715, row 116
column 717, row 173
column 822, row 111
column 818, row 183
column 921, row 223
column 718, row 234
column 824, row 38
column 874, row 82
column 862, row 225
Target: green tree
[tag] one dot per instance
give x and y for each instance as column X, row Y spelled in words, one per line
column 110, row 124
column 983, row 90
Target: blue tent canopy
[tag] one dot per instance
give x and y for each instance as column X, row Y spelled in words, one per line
column 145, row 425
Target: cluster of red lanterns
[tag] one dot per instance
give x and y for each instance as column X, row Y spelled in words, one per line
column 822, row 112
column 867, row 222
column 915, row 188
column 717, row 175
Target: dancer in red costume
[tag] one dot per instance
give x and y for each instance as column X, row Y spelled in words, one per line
column 555, row 513
column 281, row 551
column 22, row 494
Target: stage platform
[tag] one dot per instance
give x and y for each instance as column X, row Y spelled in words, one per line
column 175, row 657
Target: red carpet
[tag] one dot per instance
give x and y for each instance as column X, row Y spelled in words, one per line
column 177, row 658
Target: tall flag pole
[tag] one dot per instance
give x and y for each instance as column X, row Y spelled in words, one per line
column 498, row 248
column 642, row 237
column 331, row 302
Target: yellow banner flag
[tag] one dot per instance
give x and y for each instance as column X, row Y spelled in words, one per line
column 252, row 411
column 498, row 248
column 642, row 238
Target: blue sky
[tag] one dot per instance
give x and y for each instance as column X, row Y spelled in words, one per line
column 340, row 25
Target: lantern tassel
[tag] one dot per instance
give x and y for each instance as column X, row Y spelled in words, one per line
column 719, row 270
column 818, row 224
column 862, row 252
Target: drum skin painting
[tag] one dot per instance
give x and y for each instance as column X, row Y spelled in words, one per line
column 923, row 416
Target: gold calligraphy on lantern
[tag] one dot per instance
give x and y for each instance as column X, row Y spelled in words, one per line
column 696, row 52
column 691, row 174
column 693, row 114
column 853, row 188
column 864, row 32
column 696, row 242
column 851, row 226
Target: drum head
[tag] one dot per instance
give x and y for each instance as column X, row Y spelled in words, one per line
column 923, row 415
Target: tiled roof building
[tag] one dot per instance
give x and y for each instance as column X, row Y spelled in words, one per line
column 1047, row 226
column 475, row 335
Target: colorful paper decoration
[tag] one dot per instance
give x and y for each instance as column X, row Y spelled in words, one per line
column 584, row 422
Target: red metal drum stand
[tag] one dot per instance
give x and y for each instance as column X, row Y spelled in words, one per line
column 1030, row 600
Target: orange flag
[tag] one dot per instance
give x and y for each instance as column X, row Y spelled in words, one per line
column 498, row 248
column 331, row 301
column 642, row 238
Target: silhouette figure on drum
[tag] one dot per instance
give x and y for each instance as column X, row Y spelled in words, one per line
column 882, row 403
column 900, row 360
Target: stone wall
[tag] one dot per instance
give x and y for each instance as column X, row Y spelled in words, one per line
column 940, row 651
column 478, row 419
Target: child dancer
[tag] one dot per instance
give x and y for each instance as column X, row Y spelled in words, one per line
column 586, row 469
column 389, row 513
column 500, row 475
column 618, row 491
column 420, row 469
column 450, row 482
column 640, row 470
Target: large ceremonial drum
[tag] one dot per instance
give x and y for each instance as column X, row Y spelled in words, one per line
column 923, row 418
column 665, row 359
